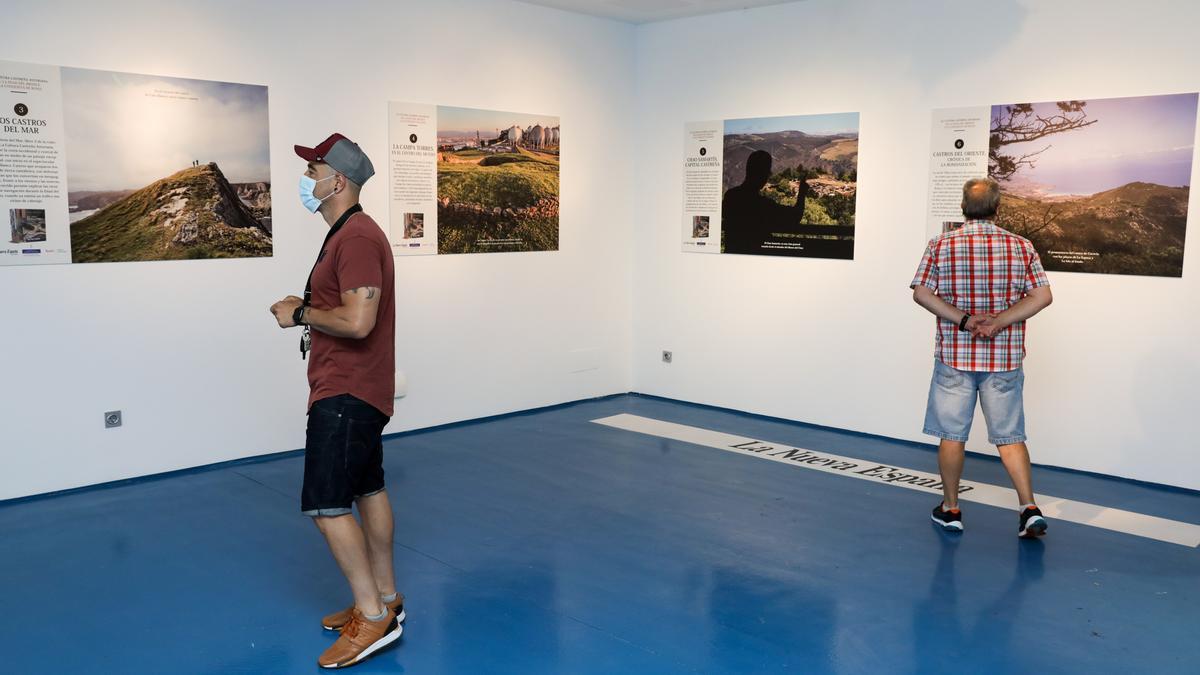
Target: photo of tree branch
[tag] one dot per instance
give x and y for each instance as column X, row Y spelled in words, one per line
column 1098, row 186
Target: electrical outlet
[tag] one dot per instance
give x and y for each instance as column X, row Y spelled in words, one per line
column 112, row 419
column 666, row 356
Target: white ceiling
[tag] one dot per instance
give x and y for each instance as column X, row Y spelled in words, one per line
column 644, row 11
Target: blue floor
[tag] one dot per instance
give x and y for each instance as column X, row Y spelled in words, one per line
column 542, row 543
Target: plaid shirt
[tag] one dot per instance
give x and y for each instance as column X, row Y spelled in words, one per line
column 981, row 269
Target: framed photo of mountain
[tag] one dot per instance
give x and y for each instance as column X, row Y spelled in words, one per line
column 784, row 186
column 1099, row 186
column 100, row 166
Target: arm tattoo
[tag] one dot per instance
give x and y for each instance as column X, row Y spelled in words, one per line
column 370, row 292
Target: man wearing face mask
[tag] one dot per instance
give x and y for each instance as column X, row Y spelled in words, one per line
column 348, row 317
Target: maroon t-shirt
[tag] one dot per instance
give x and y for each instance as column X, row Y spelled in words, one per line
column 357, row 255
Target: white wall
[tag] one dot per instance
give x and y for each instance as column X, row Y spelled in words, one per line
column 189, row 353
column 1113, row 364
column 188, row 350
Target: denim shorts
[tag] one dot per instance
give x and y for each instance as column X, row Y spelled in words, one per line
column 951, row 407
column 343, row 455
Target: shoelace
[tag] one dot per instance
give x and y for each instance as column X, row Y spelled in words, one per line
column 350, row 630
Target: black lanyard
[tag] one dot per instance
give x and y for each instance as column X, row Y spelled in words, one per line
column 305, row 337
column 357, row 208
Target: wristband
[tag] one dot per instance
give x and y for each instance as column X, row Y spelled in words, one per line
column 298, row 316
column 962, row 325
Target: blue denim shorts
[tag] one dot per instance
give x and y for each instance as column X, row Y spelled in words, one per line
column 343, row 455
column 951, row 407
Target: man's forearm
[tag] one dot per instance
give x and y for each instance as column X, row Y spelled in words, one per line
column 938, row 307
column 1023, row 309
column 338, row 322
column 801, row 195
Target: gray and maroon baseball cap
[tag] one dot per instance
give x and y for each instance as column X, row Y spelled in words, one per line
column 343, row 155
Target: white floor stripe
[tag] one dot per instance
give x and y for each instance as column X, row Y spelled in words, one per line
column 1151, row 527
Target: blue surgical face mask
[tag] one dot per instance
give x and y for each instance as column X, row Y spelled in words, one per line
column 311, row 201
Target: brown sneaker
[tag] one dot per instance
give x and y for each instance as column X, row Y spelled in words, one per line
column 360, row 639
column 336, row 620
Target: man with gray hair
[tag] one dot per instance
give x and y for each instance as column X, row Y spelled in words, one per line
column 982, row 283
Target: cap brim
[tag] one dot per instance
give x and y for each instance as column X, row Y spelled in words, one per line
column 307, row 154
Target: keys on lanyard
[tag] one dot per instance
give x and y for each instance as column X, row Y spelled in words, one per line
column 305, row 343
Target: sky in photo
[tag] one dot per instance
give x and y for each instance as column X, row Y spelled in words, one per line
column 125, row 131
column 470, row 120
column 814, row 125
column 1142, row 139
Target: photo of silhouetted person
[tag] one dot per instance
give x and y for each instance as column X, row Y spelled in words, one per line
column 747, row 215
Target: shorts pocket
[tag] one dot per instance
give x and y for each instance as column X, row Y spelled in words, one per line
column 1005, row 382
column 323, row 428
column 948, row 377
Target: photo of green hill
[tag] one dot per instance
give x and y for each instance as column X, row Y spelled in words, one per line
column 194, row 213
column 1098, row 186
column 497, row 181
column 175, row 186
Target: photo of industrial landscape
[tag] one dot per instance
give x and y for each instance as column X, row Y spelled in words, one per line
column 497, row 181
